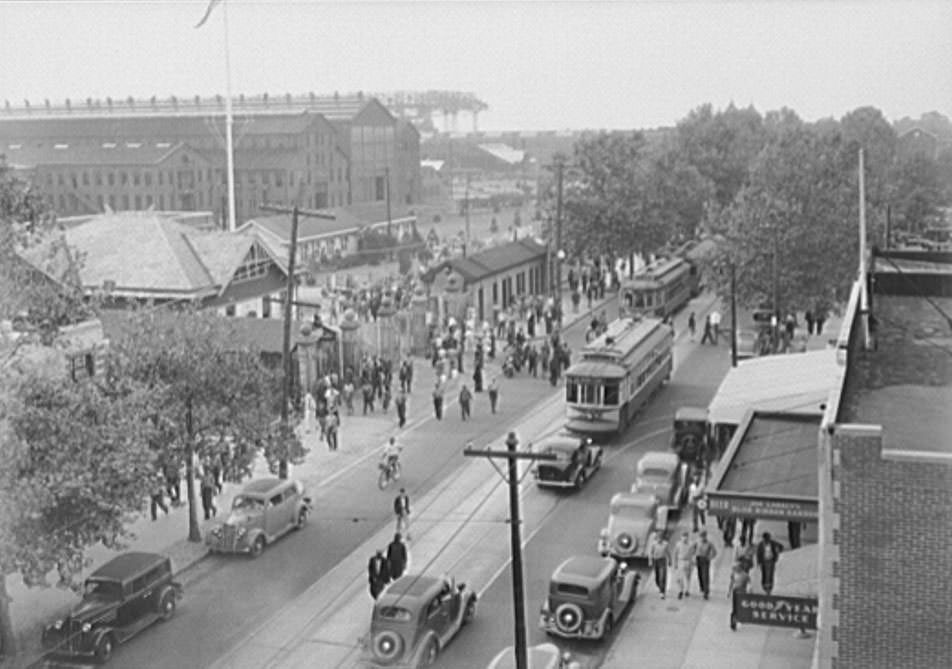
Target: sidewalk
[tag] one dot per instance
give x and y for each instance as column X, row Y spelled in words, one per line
column 361, row 437
column 695, row 634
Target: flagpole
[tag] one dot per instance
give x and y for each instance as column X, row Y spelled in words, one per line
column 229, row 131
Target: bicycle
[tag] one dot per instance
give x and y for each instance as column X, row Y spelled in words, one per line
column 389, row 471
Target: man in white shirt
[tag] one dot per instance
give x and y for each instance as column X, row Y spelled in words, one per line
column 716, row 324
column 697, row 502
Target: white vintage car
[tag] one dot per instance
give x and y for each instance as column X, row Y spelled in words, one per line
column 632, row 519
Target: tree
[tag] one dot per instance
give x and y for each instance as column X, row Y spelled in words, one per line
column 44, row 300
column 721, row 146
column 210, row 395
column 916, row 193
column 76, row 464
column 791, row 232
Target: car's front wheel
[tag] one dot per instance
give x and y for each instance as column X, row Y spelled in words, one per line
column 430, row 652
column 104, row 648
column 257, row 548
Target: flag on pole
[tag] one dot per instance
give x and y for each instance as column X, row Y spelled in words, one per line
column 208, row 12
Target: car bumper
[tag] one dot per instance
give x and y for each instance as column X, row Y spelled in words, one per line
column 557, row 483
column 216, row 545
column 586, row 631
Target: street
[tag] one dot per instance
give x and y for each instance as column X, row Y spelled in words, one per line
column 228, row 596
column 572, row 526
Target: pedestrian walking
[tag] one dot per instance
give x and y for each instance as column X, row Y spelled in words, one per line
column 310, row 407
column 708, row 335
column 438, row 400
column 377, row 574
column 401, row 509
column 478, row 377
column 808, row 317
column 367, row 391
column 716, row 325
column 740, row 580
column 684, row 563
column 158, row 497
column 493, row 391
column 396, row 557
column 659, row 558
column 744, row 553
column 768, row 553
column 349, row 396
column 747, row 529
column 465, row 399
column 400, row 402
column 692, row 325
column 208, row 493
column 704, row 554
column 387, row 396
column 728, row 529
column 173, row 480
column 698, row 503
column 322, row 411
column 333, row 428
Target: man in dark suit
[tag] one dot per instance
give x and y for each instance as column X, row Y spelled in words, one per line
column 768, row 552
column 396, row 557
column 378, row 574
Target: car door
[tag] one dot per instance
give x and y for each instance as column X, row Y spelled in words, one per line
column 274, row 514
column 437, row 614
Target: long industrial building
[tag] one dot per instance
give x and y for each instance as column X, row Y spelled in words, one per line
column 169, row 154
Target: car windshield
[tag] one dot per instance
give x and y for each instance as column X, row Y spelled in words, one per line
column 95, row 589
column 661, row 474
column 243, row 503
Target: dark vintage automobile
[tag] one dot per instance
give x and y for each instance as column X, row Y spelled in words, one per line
column 414, row 619
column 262, row 512
column 120, row 599
column 689, row 440
column 576, row 459
column 587, row 596
column 665, row 476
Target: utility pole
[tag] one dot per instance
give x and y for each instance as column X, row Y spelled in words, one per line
column 288, row 305
column 389, row 218
column 466, row 212
column 512, row 455
column 560, row 168
column 733, row 315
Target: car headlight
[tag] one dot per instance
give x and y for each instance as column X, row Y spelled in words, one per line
column 216, row 531
column 58, row 625
column 86, row 627
column 241, row 532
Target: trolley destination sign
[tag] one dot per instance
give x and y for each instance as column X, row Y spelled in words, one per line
column 775, row 610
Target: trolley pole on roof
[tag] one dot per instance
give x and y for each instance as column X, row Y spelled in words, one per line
column 288, row 304
column 512, row 455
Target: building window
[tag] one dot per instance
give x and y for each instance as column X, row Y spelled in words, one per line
column 137, row 200
column 495, row 293
column 49, row 179
column 62, row 203
column 161, row 201
column 161, row 178
column 101, row 202
column 148, row 201
column 379, row 188
column 278, row 180
column 123, row 178
column 111, row 177
column 136, row 178
column 148, row 178
column 85, row 178
column 112, row 202
column 59, row 179
column 99, row 178
column 125, row 203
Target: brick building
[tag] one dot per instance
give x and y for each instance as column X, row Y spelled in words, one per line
column 321, row 151
column 886, row 476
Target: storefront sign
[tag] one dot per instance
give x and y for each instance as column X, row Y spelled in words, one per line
column 775, row 610
column 745, row 506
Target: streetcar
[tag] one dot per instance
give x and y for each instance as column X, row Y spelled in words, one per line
column 616, row 375
column 659, row 289
column 666, row 285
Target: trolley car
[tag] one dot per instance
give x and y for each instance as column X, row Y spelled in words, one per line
column 617, row 374
column 659, row 289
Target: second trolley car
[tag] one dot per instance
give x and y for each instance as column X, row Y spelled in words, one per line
column 617, row 374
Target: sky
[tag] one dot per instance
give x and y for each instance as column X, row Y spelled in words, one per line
column 539, row 65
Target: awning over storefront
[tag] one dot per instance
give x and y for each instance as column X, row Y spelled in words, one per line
column 770, row 469
column 792, row 382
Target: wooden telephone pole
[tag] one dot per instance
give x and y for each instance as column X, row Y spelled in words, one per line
column 511, row 455
column 296, row 213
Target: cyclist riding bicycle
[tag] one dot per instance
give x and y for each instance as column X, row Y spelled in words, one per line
column 391, row 454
